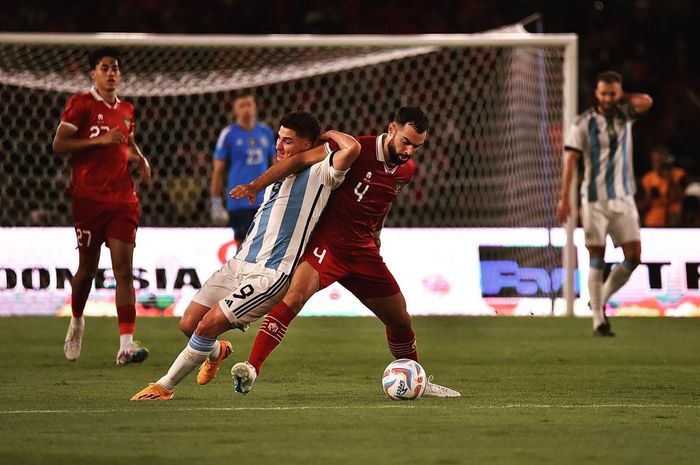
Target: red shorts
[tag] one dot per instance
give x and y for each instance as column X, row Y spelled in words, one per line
column 95, row 222
column 361, row 271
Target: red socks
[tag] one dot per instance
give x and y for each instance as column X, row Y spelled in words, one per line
column 402, row 343
column 270, row 334
column 126, row 315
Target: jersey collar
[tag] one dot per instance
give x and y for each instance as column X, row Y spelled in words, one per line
column 380, row 154
column 98, row 97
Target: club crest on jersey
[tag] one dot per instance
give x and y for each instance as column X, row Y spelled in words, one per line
column 368, row 176
column 127, row 121
column 100, row 118
column 399, row 185
column 264, row 142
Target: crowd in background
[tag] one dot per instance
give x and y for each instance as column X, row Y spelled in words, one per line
column 650, row 43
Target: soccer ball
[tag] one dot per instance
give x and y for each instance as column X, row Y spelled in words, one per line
column 404, row 379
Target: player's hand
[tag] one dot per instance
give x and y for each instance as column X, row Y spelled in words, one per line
column 144, row 169
column 563, row 211
column 113, row 136
column 243, row 191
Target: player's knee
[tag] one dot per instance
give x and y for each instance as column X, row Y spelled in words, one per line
column 213, row 324
column 631, row 263
column 84, row 276
column 124, row 278
column 187, row 326
column 204, row 328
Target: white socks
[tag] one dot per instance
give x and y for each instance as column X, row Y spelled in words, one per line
column 78, row 323
column 617, row 278
column 193, row 356
column 125, row 339
column 595, row 286
column 188, row 360
column 215, row 351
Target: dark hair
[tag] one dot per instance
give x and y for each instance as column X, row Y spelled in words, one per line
column 242, row 93
column 413, row 116
column 95, row 56
column 610, row 77
column 303, row 123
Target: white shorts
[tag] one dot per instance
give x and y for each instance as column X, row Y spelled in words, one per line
column 617, row 217
column 244, row 291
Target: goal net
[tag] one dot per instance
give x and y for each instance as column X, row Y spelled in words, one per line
column 498, row 104
column 493, row 158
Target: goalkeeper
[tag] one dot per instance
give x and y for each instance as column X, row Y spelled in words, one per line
column 244, row 150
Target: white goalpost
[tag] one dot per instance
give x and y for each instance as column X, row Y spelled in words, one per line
column 499, row 104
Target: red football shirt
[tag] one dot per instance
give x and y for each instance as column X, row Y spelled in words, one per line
column 357, row 208
column 100, row 173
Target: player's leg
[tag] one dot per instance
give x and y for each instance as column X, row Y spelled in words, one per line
column 122, row 254
column 399, row 324
column 192, row 356
column 621, row 273
column 305, row 283
column 595, row 226
column 192, row 316
column 194, row 313
column 375, row 286
column 400, row 336
column 88, row 259
column 624, row 231
column 89, row 230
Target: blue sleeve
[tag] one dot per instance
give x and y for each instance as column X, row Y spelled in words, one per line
column 221, row 150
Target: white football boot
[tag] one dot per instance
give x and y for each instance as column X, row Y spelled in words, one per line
column 435, row 390
column 74, row 339
column 243, row 374
column 132, row 353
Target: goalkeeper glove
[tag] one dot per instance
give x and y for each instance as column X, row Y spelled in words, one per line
column 219, row 215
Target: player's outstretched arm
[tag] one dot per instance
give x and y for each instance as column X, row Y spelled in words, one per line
column 65, row 140
column 135, row 155
column 348, row 151
column 279, row 170
column 564, row 206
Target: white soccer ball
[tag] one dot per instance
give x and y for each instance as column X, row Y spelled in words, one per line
column 404, row 379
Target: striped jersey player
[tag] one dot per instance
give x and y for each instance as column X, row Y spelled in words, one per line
column 344, row 248
column 602, row 136
column 252, row 282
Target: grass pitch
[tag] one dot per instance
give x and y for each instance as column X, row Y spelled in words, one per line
column 535, row 391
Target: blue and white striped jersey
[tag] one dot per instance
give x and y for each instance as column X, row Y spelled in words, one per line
column 290, row 210
column 605, row 142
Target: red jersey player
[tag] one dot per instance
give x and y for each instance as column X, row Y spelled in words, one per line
column 345, row 245
column 97, row 129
